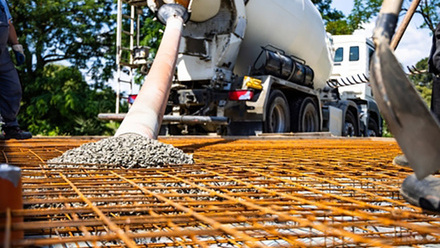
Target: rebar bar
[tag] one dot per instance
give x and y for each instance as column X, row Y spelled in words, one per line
column 254, row 192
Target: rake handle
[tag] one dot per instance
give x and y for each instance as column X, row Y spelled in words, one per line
column 387, row 20
column 402, row 28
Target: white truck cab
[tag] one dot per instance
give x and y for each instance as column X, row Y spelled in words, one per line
column 352, row 54
column 351, row 64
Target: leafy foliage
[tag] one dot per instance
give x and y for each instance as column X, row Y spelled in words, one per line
column 79, row 34
column 429, row 10
column 64, row 104
column 339, row 27
column 77, row 31
column 423, row 82
column 328, row 13
column 335, row 20
column 151, row 33
column 364, row 10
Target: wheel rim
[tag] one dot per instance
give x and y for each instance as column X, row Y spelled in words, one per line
column 372, row 129
column 277, row 115
column 371, row 133
column 309, row 122
column 310, row 119
column 349, row 129
column 277, row 119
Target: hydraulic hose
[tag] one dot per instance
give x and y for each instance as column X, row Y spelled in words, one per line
column 146, row 114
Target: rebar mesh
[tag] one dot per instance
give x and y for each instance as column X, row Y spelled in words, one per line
column 240, row 193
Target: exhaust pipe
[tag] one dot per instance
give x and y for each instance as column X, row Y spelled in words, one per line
column 146, row 114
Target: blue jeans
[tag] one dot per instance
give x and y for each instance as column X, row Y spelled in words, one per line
column 10, row 87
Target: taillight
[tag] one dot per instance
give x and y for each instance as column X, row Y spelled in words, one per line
column 241, row 95
column 131, row 98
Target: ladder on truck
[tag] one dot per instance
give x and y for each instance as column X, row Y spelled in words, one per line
column 128, row 59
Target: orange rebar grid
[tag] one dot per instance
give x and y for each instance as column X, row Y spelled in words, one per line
column 240, row 193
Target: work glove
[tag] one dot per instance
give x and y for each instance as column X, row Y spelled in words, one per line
column 19, row 53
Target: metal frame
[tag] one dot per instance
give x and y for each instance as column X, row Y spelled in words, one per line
column 124, row 65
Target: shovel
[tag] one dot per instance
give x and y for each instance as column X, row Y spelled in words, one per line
column 410, row 121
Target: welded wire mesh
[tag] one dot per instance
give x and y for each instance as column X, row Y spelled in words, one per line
column 240, row 193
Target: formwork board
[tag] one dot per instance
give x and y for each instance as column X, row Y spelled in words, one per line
column 239, row 193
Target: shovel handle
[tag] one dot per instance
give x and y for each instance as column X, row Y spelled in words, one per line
column 387, row 20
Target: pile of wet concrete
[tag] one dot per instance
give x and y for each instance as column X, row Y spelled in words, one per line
column 128, row 150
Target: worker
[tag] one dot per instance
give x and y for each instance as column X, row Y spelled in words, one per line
column 434, row 68
column 10, row 88
column 425, row 193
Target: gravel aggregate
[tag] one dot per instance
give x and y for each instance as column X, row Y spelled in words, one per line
column 128, row 150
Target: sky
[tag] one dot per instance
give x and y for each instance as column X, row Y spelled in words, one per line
column 414, row 45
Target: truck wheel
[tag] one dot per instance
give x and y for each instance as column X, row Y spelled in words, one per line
column 350, row 127
column 277, row 114
column 373, row 128
column 305, row 115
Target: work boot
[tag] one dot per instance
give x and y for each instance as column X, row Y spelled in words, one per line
column 15, row 133
column 401, row 160
column 423, row 193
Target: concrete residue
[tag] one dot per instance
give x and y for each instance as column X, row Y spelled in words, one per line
column 128, row 150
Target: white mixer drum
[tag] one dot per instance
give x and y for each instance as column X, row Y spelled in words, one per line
column 203, row 10
column 294, row 26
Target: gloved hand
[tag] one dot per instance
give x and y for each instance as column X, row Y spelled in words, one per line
column 19, row 53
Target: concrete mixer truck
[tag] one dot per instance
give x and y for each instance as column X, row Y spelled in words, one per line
column 251, row 66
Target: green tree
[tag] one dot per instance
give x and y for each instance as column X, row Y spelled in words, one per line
column 151, row 32
column 429, row 10
column 339, row 27
column 328, row 13
column 422, row 80
column 335, row 20
column 76, row 33
column 364, row 10
column 65, row 104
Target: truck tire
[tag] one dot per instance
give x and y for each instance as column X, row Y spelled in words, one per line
column 373, row 128
column 277, row 114
column 351, row 128
column 305, row 115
